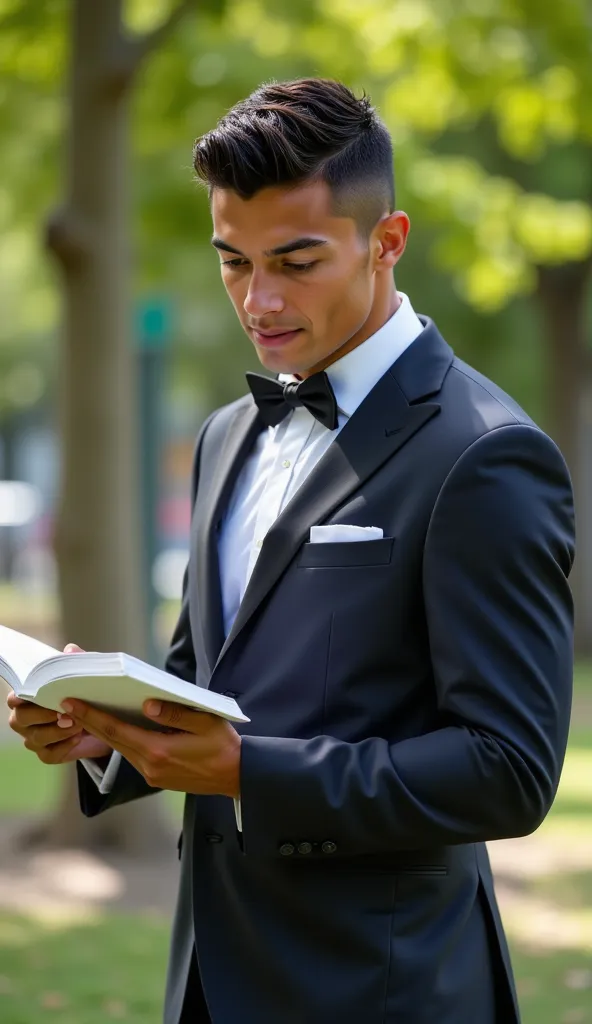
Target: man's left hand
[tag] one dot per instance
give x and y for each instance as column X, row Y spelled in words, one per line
column 201, row 754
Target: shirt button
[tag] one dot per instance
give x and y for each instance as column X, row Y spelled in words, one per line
column 329, row 847
column 304, row 848
column 259, row 543
column 286, row 463
column 287, row 849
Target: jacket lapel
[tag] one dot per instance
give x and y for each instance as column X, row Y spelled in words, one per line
column 381, row 425
column 241, row 431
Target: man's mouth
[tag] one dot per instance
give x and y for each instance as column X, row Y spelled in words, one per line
column 274, row 338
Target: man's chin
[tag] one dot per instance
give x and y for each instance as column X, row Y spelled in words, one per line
column 281, row 361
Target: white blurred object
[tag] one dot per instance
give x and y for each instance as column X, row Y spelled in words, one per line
column 167, row 573
column 20, row 503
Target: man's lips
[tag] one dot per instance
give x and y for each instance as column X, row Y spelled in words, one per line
column 273, row 339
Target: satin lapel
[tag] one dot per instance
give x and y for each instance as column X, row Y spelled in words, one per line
column 239, row 438
column 381, row 425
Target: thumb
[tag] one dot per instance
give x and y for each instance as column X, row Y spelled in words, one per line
column 73, row 649
column 176, row 716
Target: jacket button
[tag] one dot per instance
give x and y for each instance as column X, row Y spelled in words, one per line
column 304, row 848
column 214, row 837
column 287, row 849
column 329, row 847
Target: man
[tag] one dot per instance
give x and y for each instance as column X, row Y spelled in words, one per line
column 380, row 547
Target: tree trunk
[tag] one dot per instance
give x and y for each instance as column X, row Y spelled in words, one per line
column 98, row 526
column 142, row 827
column 562, row 295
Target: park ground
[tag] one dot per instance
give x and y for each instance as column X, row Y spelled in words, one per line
column 83, row 937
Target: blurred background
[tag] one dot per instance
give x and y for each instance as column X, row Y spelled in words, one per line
column 116, row 340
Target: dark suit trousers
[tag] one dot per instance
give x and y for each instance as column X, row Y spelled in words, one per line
column 195, row 1010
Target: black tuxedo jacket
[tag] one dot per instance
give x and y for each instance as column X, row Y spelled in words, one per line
column 409, row 699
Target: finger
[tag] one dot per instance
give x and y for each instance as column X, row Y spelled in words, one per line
column 177, row 716
column 120, row 735
column 58, row 753
column 73, row 649
column 45, row 735
column 15, row 702
column 23, row 718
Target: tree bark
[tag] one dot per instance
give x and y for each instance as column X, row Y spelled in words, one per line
column 562, row 295
column 98, row 527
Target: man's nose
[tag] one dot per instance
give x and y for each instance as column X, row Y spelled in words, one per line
column 262, row 298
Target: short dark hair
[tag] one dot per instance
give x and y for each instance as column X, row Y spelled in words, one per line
column 288, row 133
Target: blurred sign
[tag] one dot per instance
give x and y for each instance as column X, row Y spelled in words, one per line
column 153, row 323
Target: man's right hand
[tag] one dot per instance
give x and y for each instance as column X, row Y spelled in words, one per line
column 51, row 734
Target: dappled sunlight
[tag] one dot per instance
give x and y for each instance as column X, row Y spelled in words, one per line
column 543, row 923
column 64, row 886
column 535, row 856
column 544, row 881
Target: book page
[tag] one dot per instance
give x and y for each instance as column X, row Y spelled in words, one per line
column 22, row 652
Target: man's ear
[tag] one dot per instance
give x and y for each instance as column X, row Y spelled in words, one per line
column 390, row 239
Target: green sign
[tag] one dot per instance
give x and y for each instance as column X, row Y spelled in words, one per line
column 153, row 323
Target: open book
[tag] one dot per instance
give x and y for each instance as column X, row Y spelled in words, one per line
column 118, row 683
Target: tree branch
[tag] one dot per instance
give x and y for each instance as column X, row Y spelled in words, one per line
column 152, row 40
column 132, row 50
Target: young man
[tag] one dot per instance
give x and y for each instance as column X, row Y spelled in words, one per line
column 380, row 547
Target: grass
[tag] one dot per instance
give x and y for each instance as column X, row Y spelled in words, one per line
column 113, row 967
column 29, row 787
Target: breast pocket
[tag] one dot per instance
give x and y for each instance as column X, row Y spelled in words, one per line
column 347, row 553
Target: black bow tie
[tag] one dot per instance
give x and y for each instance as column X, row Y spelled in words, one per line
column 275, row 400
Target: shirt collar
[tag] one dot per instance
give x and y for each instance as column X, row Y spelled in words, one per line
column 354, row 375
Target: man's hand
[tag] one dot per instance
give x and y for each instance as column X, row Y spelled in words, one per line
column 201, row 753
column 54, row 737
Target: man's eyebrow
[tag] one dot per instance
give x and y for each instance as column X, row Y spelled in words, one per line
column 219, row 244
column 298, row 243
column 281, row 250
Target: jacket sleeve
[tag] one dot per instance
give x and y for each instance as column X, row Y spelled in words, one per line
column 497, row 556
column 129, row 784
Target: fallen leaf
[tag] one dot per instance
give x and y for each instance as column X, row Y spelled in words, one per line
column 527, row 987
column 115, row 1008
column 53, row 1001
column 574, row 1016
column 578, row 978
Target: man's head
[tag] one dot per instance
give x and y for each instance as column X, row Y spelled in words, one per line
column 300, row 177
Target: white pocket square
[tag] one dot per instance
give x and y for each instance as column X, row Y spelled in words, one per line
column 340, row 533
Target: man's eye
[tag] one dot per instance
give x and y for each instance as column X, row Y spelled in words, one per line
column 301, row 266
column 234, row 263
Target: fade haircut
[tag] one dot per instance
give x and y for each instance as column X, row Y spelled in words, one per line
column 291, row 133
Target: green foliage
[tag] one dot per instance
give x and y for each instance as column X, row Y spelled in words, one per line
column 516, row 75
column 487, row 102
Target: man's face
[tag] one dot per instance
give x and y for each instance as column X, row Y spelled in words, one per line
column 300, row 278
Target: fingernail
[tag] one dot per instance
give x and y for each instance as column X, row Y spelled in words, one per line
column 154, row 707
column 66, row 706
column 64, row 722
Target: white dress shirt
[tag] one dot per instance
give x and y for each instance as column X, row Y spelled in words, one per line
column 280, row 461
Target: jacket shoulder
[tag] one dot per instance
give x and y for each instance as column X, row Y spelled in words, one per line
column 479, row 395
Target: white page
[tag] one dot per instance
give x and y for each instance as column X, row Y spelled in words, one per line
column 22, row 652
